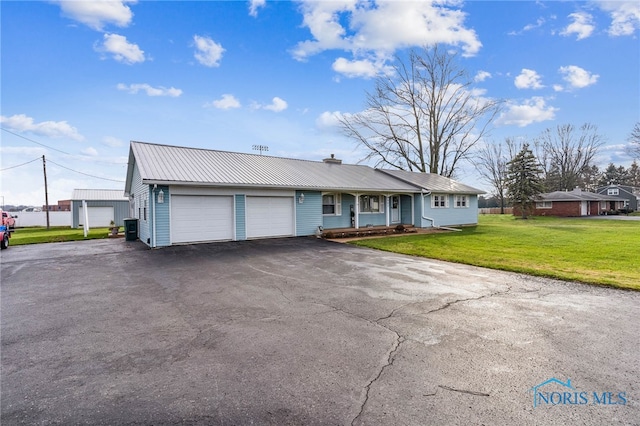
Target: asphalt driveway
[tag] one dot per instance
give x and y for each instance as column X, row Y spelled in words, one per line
column 305, row 331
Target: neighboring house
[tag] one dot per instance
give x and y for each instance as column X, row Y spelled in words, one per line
column 103, row 206
column 188, row 195
column 575, row 203
column 631, row 194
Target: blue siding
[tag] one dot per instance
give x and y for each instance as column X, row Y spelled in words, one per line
column 163, row 223
column 140, row 194
column 241, row 223
column 309, row 213
column 405, row 209
column 451, row 215
column 342, row 221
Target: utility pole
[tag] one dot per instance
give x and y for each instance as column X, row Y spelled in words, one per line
column 46, row 193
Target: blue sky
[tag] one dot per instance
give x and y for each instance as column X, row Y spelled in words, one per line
column 83, row 78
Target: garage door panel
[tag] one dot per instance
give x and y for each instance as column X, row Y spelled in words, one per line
column 270, row 217
column 98, row 216
column 196, row 218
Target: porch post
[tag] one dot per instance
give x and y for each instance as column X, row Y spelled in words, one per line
column 356, row 210
column 413, row 210
column 386, row 210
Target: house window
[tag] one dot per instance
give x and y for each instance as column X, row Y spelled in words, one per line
column 371, row 204
column 544, row 204
column 603, row 205
column 145, row 209
column 331, row 205
column 439, row 201
column 461, row 201
column 613, row 191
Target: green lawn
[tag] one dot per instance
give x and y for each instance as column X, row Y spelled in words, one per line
column 53, row 235
column 605, row 252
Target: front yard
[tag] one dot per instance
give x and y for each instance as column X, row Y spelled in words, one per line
column 591, row 251
column 55, row 234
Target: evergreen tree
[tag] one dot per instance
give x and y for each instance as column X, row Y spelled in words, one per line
column 524, row 183
column 633, row 175
column 613, row 176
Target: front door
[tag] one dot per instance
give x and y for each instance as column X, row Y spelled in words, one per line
column 584, row 210
column 395, row 209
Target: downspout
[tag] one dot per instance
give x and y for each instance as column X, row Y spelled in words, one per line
column 153, row 203
column 433, row 222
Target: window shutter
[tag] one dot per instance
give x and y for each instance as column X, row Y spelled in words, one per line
column 338, row 200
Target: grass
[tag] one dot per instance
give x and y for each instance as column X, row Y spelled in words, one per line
column 57, row 234
column 604, row 252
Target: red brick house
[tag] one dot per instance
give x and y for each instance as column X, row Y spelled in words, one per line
column 576, row 203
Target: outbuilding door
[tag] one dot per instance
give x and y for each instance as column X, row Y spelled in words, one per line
column 98, row 216
column 198, row 218
column 270, row 217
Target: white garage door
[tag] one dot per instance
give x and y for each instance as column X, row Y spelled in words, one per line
column 269, row 217
column 98, row 216
column 196, row 218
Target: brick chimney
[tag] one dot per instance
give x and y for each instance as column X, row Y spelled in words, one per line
column 332, row 160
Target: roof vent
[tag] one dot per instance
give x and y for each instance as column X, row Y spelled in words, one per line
column 332, row 160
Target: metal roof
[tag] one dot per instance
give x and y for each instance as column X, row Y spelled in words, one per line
column 99, row 194
column 433, row 182
column 173, row 165
column 577, row 195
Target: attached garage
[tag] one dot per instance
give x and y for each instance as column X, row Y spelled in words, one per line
column 99, row 217
column 197, row 218
column 270, row 217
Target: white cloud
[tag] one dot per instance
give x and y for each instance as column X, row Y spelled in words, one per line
column 121, row 49
column 226, row 102
column 577, row 77
column 208, row 52
column 582, row 25
column 149, row 90
column 528, row 79
column 328, row 120
column 360, row 68
column 376, row 29
column 90, row 151
column 98, row 13
column 277, row 105
column 52, row 129
column 481, row 76
column 254, row 5
column 625, row 16
column 539, row 22
column 531, row 111
column 112, row 142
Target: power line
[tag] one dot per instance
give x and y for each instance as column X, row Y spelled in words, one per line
column 31, row 140
column 86, row 174
column 20, row 165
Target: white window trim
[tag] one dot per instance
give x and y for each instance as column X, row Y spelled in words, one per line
column 337, row 200
column 461, row 197
column 544, row 204
column 613, row 191
column 433, row 201
column 381, row 203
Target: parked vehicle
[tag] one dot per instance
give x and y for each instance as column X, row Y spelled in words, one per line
column 4, row 237
column 8, row 220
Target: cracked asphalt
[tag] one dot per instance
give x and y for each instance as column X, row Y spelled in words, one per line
column 303, row 331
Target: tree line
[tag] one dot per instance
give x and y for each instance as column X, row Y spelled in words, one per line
column 425, row 115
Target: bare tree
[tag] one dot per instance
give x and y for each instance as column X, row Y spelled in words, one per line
column 425, row 117
column 634, row 141
column 491, row 162
column 567, row 153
